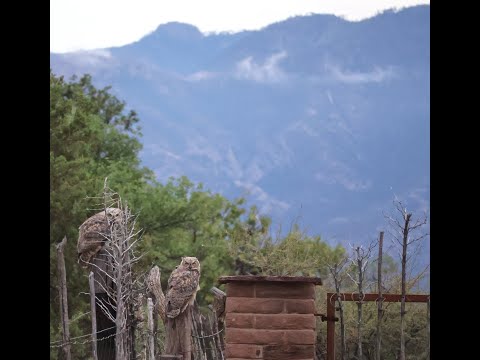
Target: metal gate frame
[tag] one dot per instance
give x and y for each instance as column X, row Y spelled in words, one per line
column 331, row 319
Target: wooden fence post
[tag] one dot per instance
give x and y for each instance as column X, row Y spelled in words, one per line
column 380, row 298
column 151, row 338
column 331, row 326
column 63, row 298
column 179, row 335
column 91, row 282
column 428, row 327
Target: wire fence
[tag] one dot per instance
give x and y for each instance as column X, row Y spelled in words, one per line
column 207, row 340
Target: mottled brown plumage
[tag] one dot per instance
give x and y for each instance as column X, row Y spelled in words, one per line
column 92, row 232
column 183, row 285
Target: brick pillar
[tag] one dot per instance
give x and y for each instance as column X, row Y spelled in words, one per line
column 270, row 318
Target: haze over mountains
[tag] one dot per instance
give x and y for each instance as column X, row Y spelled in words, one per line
column 314, row 118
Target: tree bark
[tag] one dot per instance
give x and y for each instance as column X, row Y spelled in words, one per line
column 120, row 320
column 63, row 298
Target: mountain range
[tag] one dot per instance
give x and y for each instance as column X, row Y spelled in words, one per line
column 314, row 119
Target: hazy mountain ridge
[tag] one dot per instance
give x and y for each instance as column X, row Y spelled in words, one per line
column 313, row 116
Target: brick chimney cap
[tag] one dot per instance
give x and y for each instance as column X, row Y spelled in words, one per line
column 257, row 278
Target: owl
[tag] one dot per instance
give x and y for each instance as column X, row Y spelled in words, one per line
column 92, row 234
column 183, row 285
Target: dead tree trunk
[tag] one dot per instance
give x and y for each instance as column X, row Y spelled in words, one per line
column 63, row 299
column 360, row 260
column 179, row 335
column 120, row 321
column 380, row 297
column 402, row 234
column 91, row 282
column 106, row 245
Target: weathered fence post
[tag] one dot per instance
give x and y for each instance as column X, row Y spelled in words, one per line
column 151, row 338
column 63, row 298
column 428, row 328
column 331, row 326
column 179, row 334
column 380, row 297
column 91, row 282
column 218, row 309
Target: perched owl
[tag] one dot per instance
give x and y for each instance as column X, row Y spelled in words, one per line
column 92, row 234
column 183, row 285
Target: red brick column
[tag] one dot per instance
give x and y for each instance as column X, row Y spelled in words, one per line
column 270, row 318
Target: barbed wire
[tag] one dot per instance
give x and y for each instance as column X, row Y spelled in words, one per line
column 86, row 341
column 81, row 336
column 207, row 336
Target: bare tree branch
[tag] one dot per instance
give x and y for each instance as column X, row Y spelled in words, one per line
column 405, row 227
column 118, row 237
column 360, row 259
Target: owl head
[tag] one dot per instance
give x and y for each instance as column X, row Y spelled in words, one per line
column 191, row 263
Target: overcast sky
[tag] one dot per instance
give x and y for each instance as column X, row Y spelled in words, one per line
column 92, row 24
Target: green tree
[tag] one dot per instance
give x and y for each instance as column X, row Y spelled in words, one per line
column 295, row 253
column 90, row 138
column 182, row 219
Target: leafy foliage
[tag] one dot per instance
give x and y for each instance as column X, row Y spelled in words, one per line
column 296, row 253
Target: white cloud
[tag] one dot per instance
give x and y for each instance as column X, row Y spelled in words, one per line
column 254, row 173
column 330, row 98
column 303, row 127
column 378, row 74
column 200, row 146
column 338, row 220
column 155, row 149
column 200, row 76
column 337, row 173
column 268, row 72
column 347, row 182
column 234, row 168
column 96, row 58
column 419, row 197
column 266, row 201
column 311, row 111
